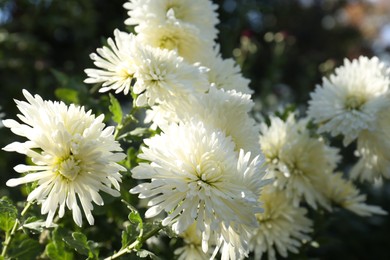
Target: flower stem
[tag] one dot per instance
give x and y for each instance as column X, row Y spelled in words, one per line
column 26, row 208
column 136, row 243
column 10, row 235
column 8, row 238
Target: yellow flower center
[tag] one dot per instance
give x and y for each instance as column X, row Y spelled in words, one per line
column 123, row 71
column 69, row 168
column 209, row 171
column 355, row 102
column 169, row 42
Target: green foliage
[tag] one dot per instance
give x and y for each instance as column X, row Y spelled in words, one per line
column 129, row 234
column 79, row 242
column 131, row 159
column 115, row 109
column 56, row 249
column 135, row 230
column 67, row 95
column 24, row 247
column 65, row 244
column 56, row 253
column 8, row 214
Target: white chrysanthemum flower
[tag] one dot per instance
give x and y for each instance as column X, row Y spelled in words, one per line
column 162, row 74
column 224, row 110
column 185, row 39
column 74, row 155
column 225, row 73
column 348, row 102
column 373, row 150
column 116, row 69
column 159, row 73
column 201, row 14
column 374, row 163
column 346, row 195
column 300, row 164
column 196, row 176
column 233, row 242
column 192, row 248
column 228, row 111
column 283, row 227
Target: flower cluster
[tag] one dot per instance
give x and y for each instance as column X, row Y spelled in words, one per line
column 222, row 182
column 303, row 167
column 205, row 168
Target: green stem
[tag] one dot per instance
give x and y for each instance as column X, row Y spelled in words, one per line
column 135, row 244
column 117, row 130
column 10, row 235
column 8, row 238
column 26, row 208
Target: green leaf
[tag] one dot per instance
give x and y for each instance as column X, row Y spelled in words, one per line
column 57, row 253
column 26, row 249
column 134, row 230
column 67, row 95
column 79, row 242
column 135, row 218
column 56, row 250
column 131, row 160
column 115, row 109
column 8, row 214
column 129, row 235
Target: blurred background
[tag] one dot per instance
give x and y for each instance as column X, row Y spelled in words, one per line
column 284, row 46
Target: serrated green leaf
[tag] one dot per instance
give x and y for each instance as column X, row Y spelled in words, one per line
column 115, row 109
column 67, row 95
column 8, row 214
column 25, row 249
column 135, row 229
column 56, row 250
column 57, row 253
column 135, row 218
column 79, row 242
column 129, row 235
column 125, row 239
